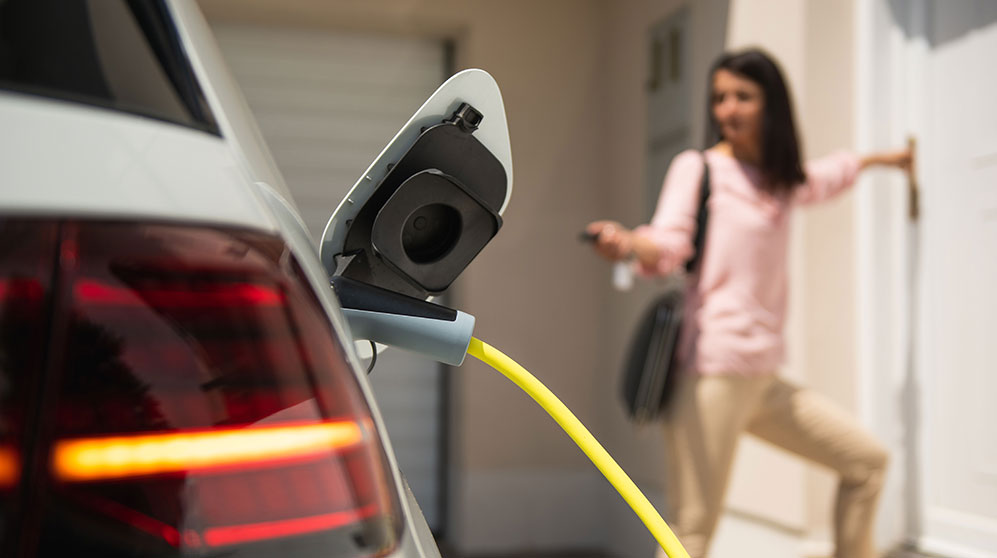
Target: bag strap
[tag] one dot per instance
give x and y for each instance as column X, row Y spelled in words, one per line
column 702, row 216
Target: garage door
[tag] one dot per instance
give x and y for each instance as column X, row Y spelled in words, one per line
column 327, row 104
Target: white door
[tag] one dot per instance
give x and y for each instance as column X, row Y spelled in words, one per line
column 957, row 308
column 327, row 104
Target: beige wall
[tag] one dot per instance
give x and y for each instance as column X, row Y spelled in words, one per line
column 829, row 241
column 814, row 43
column 778, row 27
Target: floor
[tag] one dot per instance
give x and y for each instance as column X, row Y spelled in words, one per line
column 567, row 554
column 737, row 536
column 910, row 553
column 898, row 553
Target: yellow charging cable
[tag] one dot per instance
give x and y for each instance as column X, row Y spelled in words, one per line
column 588, row 444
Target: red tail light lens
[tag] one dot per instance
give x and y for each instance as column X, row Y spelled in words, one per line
column 200, row 405
column 27, row 255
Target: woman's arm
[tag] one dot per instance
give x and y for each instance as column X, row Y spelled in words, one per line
column 830, row 175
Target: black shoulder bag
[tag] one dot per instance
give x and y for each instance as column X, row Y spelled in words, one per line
column 650, row 372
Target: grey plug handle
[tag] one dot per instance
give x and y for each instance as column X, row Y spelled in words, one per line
column 442, row 340
column 405, row 322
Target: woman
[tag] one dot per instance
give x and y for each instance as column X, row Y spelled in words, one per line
column 732, row 341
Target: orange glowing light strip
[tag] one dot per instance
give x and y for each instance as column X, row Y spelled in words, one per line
column 129, row 456
column 10, row 468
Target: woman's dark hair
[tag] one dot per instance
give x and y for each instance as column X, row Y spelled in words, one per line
column 781, row 153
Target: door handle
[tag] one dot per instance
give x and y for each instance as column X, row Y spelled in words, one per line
column 913, row 192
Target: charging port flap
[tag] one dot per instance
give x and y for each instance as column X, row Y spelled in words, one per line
column 433, row 199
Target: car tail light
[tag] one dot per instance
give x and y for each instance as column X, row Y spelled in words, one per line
column 27, row 253
column 195, row 402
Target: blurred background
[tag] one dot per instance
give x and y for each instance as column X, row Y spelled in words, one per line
column 893, row 317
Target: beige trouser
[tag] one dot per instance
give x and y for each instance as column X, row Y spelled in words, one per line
column 707, row 417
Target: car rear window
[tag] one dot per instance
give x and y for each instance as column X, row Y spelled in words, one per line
column 118, row 54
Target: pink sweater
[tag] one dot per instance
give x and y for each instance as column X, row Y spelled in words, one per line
column 737, row 308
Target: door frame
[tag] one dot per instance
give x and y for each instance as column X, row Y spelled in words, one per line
column 891, row 54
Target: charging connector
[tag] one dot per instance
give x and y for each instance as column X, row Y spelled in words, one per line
column 390, row 318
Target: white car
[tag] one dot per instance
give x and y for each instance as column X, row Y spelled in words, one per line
column 176, row 376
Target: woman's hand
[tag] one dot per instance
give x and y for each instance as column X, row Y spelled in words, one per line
column 613, row 241
column 902, row 159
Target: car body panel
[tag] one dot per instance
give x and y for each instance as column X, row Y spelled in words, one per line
column 72, row 159
column 63, row 159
